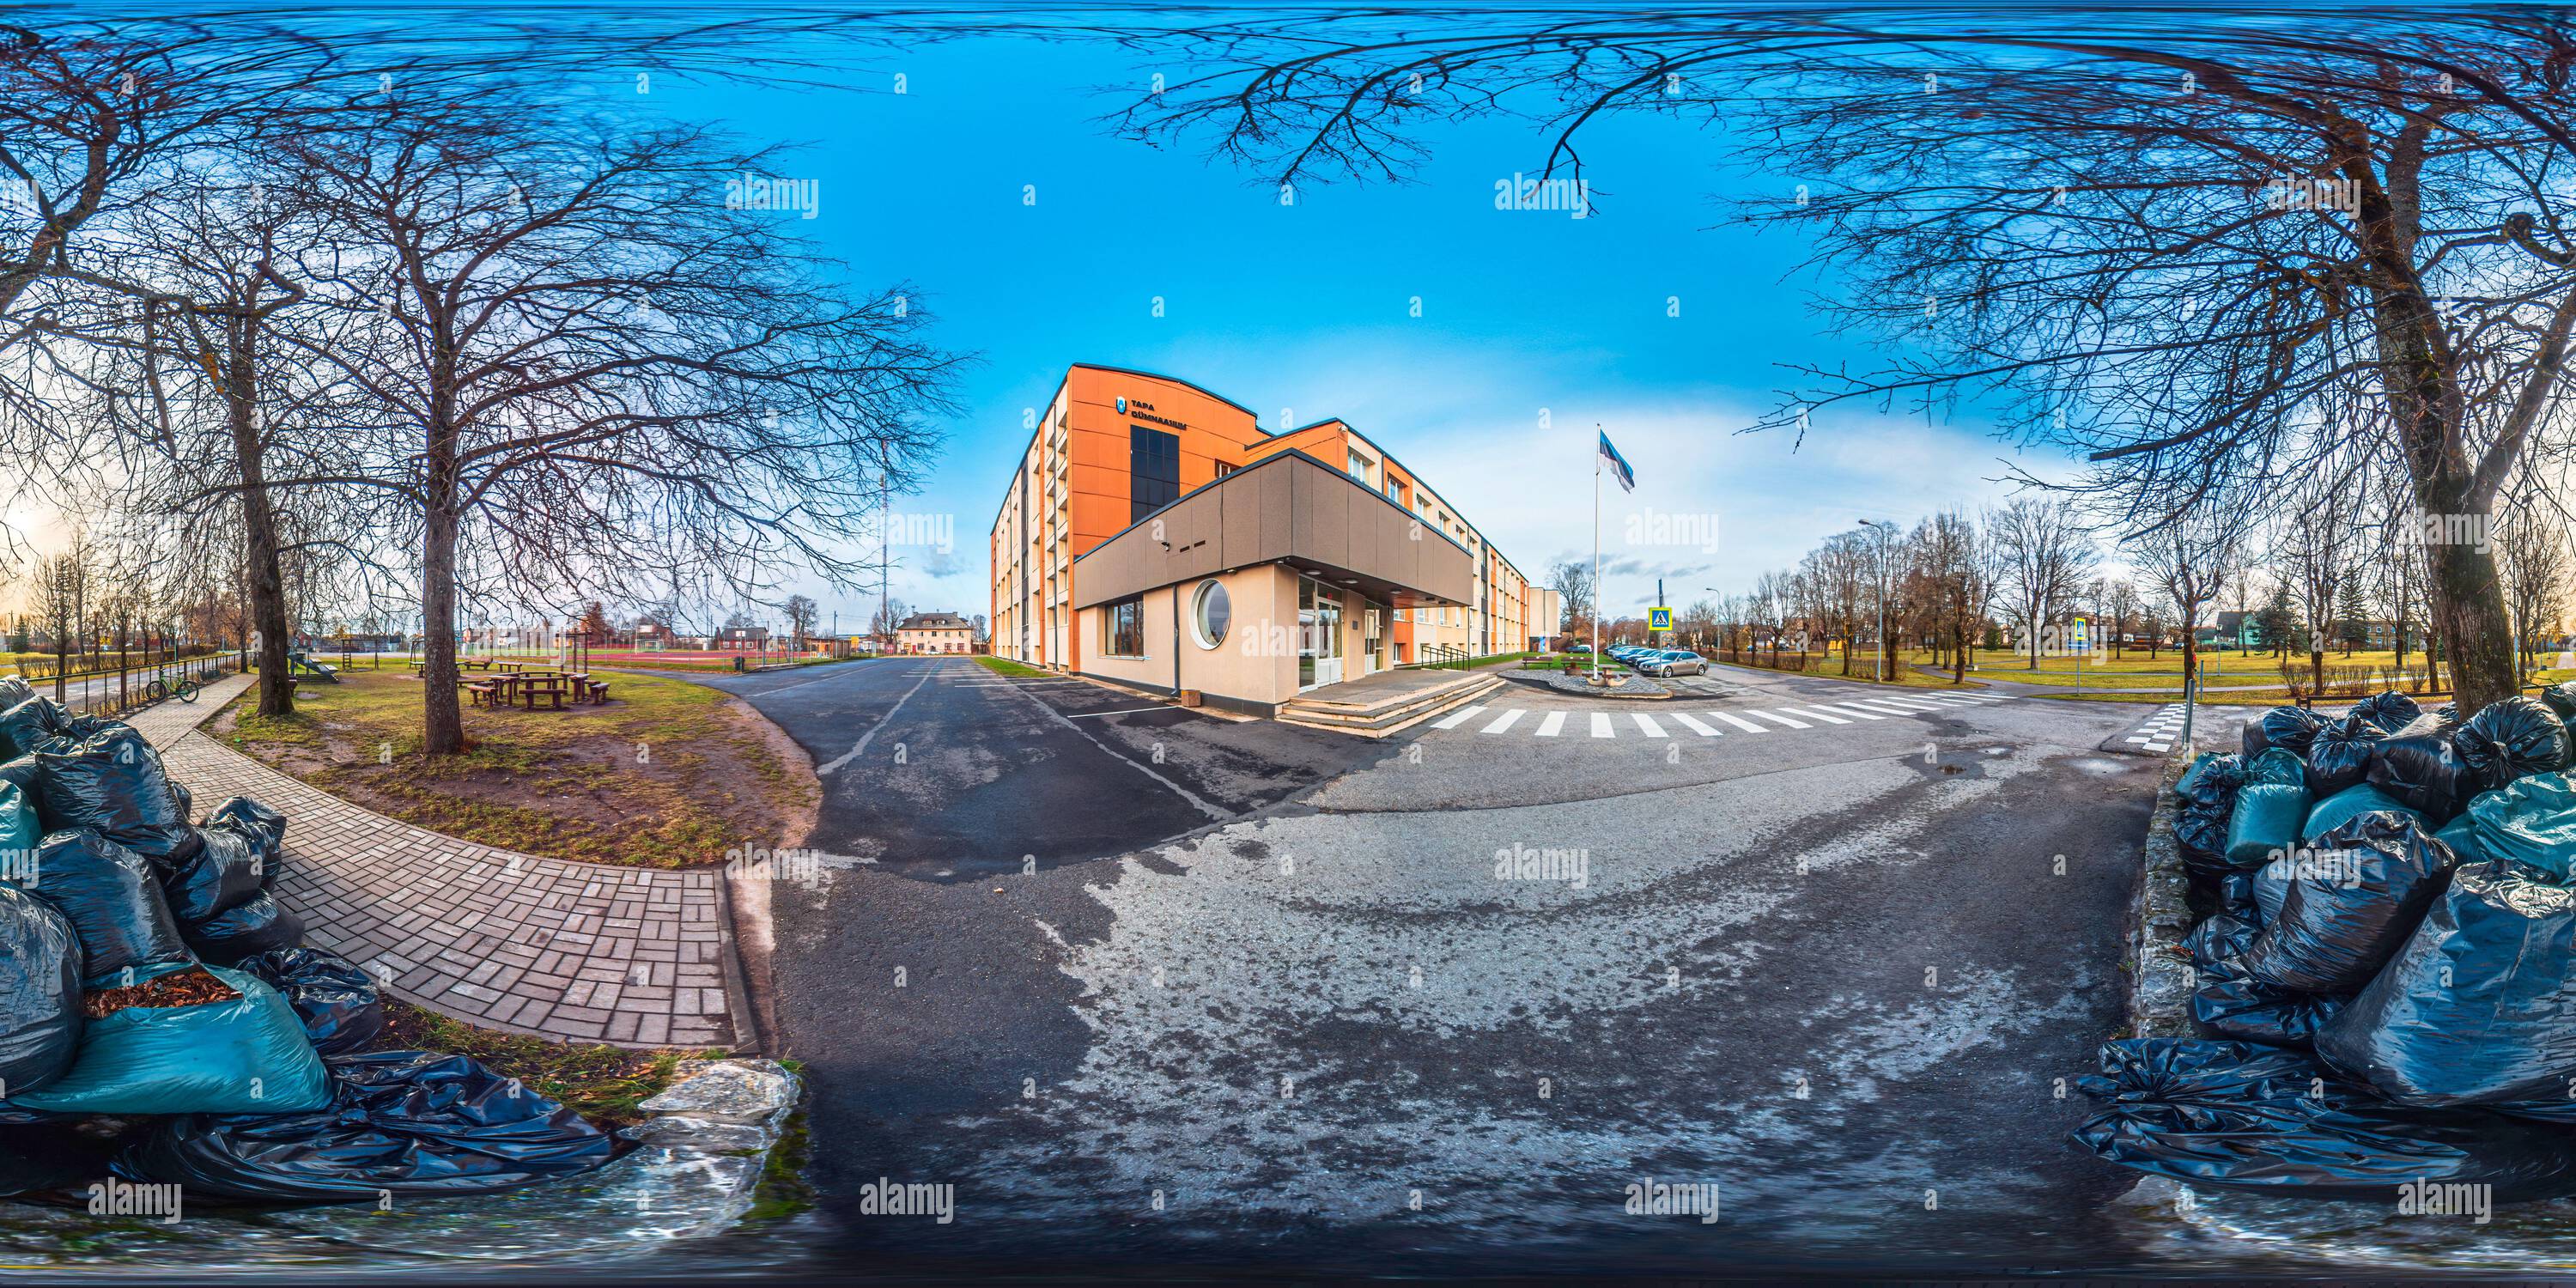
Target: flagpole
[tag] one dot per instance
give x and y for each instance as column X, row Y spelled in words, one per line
column 1596, row 556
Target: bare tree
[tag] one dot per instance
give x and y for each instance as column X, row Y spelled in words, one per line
column 2198, row 255
column 2191, row 563
column 802, row 616
column 2046, row 553
column 586, row 367
column 2531, row 552
column 1571, row 579
column 2319, row 546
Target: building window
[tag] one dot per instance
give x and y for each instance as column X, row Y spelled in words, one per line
column 1153, row 470
column 1122, row 627
column 1360, row 467
column 1224, row 468
column 1211, row 613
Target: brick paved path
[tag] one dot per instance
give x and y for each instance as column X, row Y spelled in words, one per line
column 630, row 956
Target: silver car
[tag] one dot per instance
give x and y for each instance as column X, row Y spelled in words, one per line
column 1670, row 662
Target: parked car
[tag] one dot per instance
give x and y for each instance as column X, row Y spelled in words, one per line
column 1671, row 662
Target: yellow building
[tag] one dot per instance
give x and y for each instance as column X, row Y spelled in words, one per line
column 934, row 633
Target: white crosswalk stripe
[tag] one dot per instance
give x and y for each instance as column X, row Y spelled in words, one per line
column 1463, row 715
column 2154, row 735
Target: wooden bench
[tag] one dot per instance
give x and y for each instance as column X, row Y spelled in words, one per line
column 480, row 693
column 598, row 690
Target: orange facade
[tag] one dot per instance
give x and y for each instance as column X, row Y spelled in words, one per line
column 1076, row 486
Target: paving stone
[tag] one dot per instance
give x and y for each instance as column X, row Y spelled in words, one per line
column 472, row 929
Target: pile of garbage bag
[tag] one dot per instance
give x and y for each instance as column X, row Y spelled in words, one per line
column 2387, row 992
column 148, row 975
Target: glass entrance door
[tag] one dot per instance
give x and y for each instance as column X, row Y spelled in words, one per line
column 1319, row 635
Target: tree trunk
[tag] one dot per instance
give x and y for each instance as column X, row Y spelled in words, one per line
column 442, row 721
column 259, row 526
column 2469, row 620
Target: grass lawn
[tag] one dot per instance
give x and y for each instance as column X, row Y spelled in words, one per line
column 2138, row 671
column 668, row 774
column 1016, row 670
column 603, row 1083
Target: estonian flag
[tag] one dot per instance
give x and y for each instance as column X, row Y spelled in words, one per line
column 1618, row 465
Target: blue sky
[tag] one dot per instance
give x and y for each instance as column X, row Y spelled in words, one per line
column 1534, row 326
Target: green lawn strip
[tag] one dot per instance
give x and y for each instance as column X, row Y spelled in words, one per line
column 1862, row 673
column 1015, row 670
column 604, row 1084
column 631, row 783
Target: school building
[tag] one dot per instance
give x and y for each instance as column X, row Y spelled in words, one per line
column 1155, row 535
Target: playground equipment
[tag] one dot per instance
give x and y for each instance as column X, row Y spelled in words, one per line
column 304, row 668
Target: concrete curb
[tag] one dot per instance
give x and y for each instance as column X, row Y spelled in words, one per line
column 2161, row 977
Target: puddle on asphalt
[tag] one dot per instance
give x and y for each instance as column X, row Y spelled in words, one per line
column 2175, row 1225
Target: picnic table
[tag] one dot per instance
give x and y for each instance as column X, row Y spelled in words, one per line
column 526, row 688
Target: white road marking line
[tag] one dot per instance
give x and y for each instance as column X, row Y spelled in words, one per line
column 1506, row 722
column 1463, row 715
column 1601, row 726
column 1647, row 723
column 1848, row 709
column 1917, row 704
column 1740, row 722
column 834, row 764
column 1696, row 727
column 1555, row 720
column 1890, row 708
column 1059, row 717
column 1794, row 724
column 1811, row 711
column 1122, row 711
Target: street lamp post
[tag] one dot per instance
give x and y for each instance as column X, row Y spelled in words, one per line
column 1882, row 594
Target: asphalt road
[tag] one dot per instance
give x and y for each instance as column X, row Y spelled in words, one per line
column 1835, row 971
column 940, row 769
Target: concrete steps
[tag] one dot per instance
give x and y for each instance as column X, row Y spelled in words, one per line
column 1394, row 712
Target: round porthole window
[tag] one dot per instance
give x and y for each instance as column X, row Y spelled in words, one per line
column 1211, row 612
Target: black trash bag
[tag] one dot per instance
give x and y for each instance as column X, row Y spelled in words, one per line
column 179, row 796
column 2561, row 699
column 2232, row 1004
column 2269, row 1119
column 339, row 1004
column 40, row 992
column 2208, row 796
column 258, row 924
column 254, row 820
column 2349, row 902
column 14, row 689
column 405, row 1123
column 221, row 874
column 113, row 782
column 112, row 897
column 2423, row 774
column 2440, row 723
column 2236, row 898
column 2339, row 755
column 2511, row 738
column 29, row 726
column 2389, row 712
column 2289, row 728
column 2477, row 1007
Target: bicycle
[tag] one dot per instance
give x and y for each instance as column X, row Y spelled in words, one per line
column 184, row 689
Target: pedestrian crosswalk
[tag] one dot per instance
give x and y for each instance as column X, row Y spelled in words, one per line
column 1492, row 719
column 2160, row 731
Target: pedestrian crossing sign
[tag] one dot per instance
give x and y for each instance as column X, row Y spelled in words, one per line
column 1659, row 619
